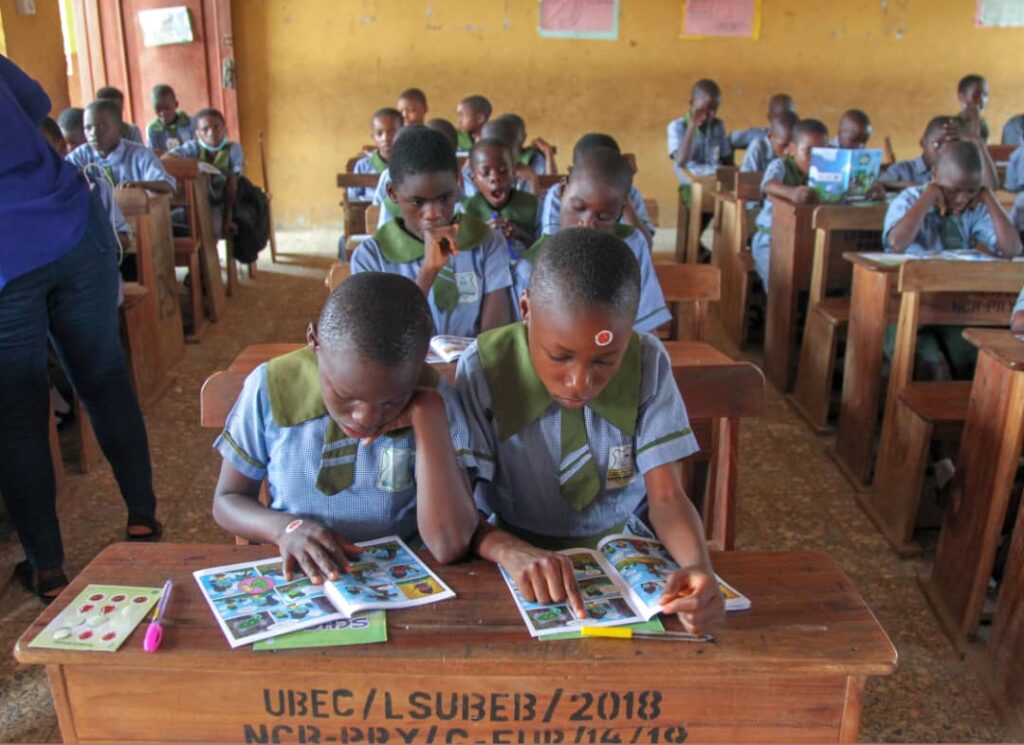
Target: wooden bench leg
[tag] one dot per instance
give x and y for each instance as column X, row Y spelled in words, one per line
column 195, row 297
column 720, row 504
column 813, row 390
column 682, row 230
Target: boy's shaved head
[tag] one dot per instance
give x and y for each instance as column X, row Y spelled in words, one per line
column 105, row 106
column 71, row 119
column 779, row 103
column 503, row 129
column 379, row 316
column 478, row 105
column 209, row 112
column 586, row 270
column 961, row 159
column 518, row 121
column 808, row 128
column 388, row 113
column 447, row 129
column 604, row 165
column 856, row 116
column 937, row 125
column 110, row 93
column 421, row 150
column 488, row 143
column 785, row 119
column 161, row 90
column 591, row 141
column 967, row 81
column 707, row 87
column 413, row 94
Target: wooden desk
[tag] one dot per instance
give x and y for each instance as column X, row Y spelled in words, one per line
column 791, row 669
column 718, row 391
column 702, row 202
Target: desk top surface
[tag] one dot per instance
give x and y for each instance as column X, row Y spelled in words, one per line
column 806, row 618
column 1000, row 343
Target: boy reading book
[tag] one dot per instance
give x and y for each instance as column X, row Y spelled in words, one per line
column 576, row 420
column 356, row 436
column 773, row 145
column 854, row 130
column 459, row 263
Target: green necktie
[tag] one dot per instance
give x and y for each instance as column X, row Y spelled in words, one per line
column 337, row 461
column 952, row 233
column 577, row 475
column 445, row 291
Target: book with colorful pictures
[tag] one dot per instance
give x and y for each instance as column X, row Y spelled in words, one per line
column 843, row 175
column 362, row 628
column 447, row 348
column 99, row 619
column 621, row 583
column 386, row 576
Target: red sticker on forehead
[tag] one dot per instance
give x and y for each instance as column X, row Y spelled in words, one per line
column 603, row 338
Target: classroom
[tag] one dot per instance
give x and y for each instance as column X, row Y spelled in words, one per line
column 308, row 308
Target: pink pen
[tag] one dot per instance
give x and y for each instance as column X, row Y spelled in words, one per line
column 155, row 631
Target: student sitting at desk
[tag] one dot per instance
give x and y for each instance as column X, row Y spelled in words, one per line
column 698, row 141
column 972, row 94
column 212, row 146
column 471, row 114
column 773, row 145
column 786, row 177
column 777, row 104
column 575, row 421
column 172, row 127
column 412, row 103
column 465, row 283
column 918, row 171
column 596, row 190
column 511, row 212
column 384, row 125
column 129, row 131
column 854, row 130
column 634, row 210
column 356, row 437
column 505, row 130
column 72, row 125
column 124, row 163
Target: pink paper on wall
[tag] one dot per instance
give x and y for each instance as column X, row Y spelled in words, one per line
column 711, row 18
column 579, row 19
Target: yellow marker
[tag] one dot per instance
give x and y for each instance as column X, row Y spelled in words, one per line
column 624, row 632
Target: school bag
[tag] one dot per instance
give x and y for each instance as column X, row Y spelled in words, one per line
column 252, row 216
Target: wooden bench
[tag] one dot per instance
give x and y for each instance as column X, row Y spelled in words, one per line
column 732, row 249
column 702, row 201
column 790, row 669
column 837, row 229
column 696, row 286
column 931, row 292
column 355, row 211
column 337, row 273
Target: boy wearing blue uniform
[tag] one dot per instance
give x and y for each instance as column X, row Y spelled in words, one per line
column 786, row 177
column 505, row 130
column 460, row 264
column 356, row 437
column 634, row 211
column 213, row 146
column 576, row 422
column 385, row 126
column 698, row 141
column 129, row 131
column 918, row 171
column 471, row 115
column 778, row 104
column 122, row 162
column 772, row 146
column 171, row 128
column 412, row 104
column 972, row 95
column 511, row 212
column 594, row 196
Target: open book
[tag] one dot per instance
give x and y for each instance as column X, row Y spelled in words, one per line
column 447, row 348
column 621, row 583
column 252, row 600
column 841, row 175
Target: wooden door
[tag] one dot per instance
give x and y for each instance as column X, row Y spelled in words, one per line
column 201, row 72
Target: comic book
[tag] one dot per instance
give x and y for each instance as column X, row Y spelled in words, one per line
column 842, row 175
column 253, row 601
column 621, row 583
column 447, row 348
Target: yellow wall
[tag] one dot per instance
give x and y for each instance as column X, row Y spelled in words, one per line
column 312, row 72
column 34, row 42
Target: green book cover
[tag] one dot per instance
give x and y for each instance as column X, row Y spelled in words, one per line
column 363, row 628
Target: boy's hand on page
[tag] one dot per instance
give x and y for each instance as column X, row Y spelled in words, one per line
column 544, row 577
column 315, row 550
column 693, row 595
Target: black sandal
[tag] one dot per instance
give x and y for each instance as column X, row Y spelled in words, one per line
column 156, row 528
column 26, row 575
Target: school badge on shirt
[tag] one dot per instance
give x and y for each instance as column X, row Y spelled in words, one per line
column 396, row 469
column 469, row 288
column 620, row 466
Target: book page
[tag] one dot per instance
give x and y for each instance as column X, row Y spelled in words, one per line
column 602, row 598
column 387, row 575
column 448, row 348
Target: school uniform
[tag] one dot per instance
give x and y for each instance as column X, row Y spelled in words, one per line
column 521, row 208
column 1014, row 180
column 759, row 154
column 228, row 158
column 373, row 163
column 469, row 188
column 938, row 233
column 279, row 430
column 914, row 171
column 747, row 137
column 464, row 142
column 711, row 145
column 551, row 209
column 552, row 475
column 163, row 136
column 1013, row 131
column 456, row 299
column 131, row 133
column 784, row 170
column 129, row 161
column 535, row 160
column 652, row 311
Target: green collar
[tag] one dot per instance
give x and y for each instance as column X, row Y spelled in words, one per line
column 621, row 230
column 518, row 396
column 520, row 208
column 293, row 386
column 527, row 155
column 793, row 176
column 180, row 120
column 377, row 161
column 399, row 246
column 465, row 140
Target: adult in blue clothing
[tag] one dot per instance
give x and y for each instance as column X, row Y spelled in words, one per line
column 58, row 283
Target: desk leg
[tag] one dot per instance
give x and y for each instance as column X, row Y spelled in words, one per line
column 696, row 218
column 682, row 230
column 862, row 375
column 720, row 503
column 849, row 728
column 780, row 312
column 61, row 703
column 1006, row 647
column 989, row 454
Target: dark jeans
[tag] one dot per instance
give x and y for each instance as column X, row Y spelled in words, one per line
column 73, row 302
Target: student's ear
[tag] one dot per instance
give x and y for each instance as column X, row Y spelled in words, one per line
column 390, row 189
column 311, row 337
column 524, row 306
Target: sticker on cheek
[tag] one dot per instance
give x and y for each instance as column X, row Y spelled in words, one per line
column 603, row 338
